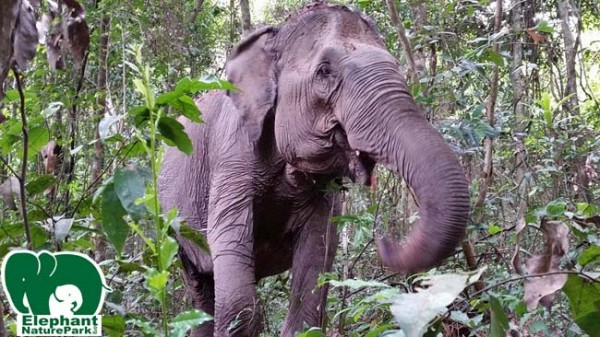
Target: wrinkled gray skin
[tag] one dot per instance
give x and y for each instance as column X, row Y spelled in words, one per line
column 320, row 98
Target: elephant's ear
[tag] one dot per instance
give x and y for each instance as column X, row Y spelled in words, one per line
column 47, row 265
column 250, row 68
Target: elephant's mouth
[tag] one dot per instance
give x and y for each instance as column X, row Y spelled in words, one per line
column 359, row 167
column 331, row 154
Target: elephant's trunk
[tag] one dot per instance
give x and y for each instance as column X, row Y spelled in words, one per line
column 381, row 119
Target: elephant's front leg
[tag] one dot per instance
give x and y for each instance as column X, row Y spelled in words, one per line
column 314, row 252
column 231, row 242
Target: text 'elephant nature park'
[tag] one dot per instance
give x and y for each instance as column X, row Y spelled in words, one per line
column 54, row 293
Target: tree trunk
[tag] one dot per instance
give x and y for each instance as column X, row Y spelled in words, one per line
column 98, row 165
column 246, row 22
column 571, row 46
column 518, row 84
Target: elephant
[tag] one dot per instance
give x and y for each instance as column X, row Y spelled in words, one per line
column 65, row 300
column 320, row 99
column 37, row 283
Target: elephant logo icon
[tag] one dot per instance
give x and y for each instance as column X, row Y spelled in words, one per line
column 54, row 293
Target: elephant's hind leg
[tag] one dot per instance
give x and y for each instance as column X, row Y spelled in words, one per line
column 201, row 288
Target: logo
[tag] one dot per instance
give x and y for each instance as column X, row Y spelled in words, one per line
column 54, row 293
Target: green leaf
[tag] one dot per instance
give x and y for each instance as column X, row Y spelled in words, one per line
column 38, row 138
column 146, row 328
column 129, row 186
column 187, row 107
column 167, row 97
column 499, row 320
column 210, row 83
column 556, row 208
column 173, row 133
column 312, row 332
column 188, row 320
column 590, row 255
column 139, row 86
column 156, row 282
column 494, row 57
column 140, row 114
column 168, row 251
column 194, row 236
column 544, row 103
column 113, row 224
column 584, row 301
column 40, row 184
column 113, row 325
column 128, row 267
column 544, row 27
column 494, row 229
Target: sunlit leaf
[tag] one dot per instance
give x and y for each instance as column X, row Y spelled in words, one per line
column 414, row 311
column 188, row 320
column 62, row 228
column 168, row 251
column 544, row 27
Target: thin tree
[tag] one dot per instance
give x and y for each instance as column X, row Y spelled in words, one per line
column 246, row 22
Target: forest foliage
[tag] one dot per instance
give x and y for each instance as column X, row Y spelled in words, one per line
column 90, row 92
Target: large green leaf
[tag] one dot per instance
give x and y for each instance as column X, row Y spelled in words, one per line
column 113, row 325
column 590, row 255
column 193, row 235
column 156, row 282
column 129, row 186
column 168, row 250
column 188, row 320
column 186, row 105
column 38, row 138
column 113, row 224
column 173, row 133
column 499, row 320
column 40, row 184
column 584, row 301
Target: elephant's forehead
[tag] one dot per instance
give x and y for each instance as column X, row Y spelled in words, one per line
column 314, row 29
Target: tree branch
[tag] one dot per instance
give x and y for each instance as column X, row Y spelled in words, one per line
column 410, row 59
column 22, row 178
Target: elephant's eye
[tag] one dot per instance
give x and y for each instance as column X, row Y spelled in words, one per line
column 324, row 70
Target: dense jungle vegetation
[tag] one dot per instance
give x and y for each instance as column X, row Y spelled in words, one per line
column 514, row 86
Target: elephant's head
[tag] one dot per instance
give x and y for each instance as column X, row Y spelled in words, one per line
column 340, row 104
column 65, row 300
column 25, row 275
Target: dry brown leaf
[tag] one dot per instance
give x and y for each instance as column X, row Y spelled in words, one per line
column 9, row 11
column 541, row 289
column 585, row 221
column 535, row 36
column 25, row 35
column 75, row 30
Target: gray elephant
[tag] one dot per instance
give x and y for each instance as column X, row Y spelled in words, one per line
column 320, row 98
